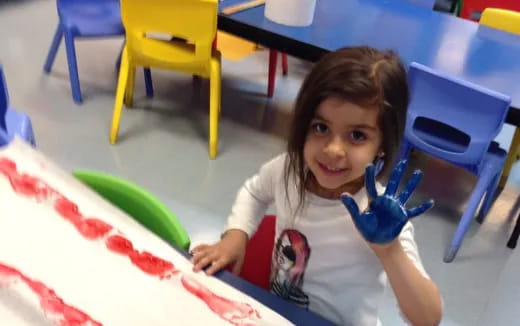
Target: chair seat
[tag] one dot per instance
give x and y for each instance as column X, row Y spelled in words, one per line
column 92, row 18
column 174, row 55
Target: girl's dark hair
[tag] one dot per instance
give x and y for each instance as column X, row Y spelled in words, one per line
column 364, row 76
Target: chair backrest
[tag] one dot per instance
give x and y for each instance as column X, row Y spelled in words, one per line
column 506, row 20
column 257, row 261
column 139, row 204
column 192, row 20
column 423, row 3
column 451, row 118
column 4, row 99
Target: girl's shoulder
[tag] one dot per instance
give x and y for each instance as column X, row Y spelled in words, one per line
column 276, row 165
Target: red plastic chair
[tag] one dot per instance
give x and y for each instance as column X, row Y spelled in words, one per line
column 273, row 56
column 477, row 6
column 257, row 262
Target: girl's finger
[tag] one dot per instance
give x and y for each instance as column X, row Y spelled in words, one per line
column 416, row 211
column 201, row 263
column 370, row 181
column 237, row 267
column 410, row 187
column 198, row 248
column 395, row 178
column 215, row 266
column 199, row 256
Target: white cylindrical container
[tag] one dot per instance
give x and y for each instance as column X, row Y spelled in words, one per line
column 290, row 12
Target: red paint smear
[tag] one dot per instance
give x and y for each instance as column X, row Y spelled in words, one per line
column 90, row 228
column 145, row 261
column 120, row 244
column 50, row 302
column 24, row 184
column 237, row 313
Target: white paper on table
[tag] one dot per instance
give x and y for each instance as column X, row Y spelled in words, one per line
column 39, row 242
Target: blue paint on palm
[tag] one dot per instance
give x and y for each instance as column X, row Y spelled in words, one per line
column 386, row 215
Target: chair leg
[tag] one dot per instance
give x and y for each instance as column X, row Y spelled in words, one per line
column 130, row 86
column 214, row 107
column 54, row 49
column 511, row 158
column 118, row 60
column 285, row 67
column 120, row 94
column 25, row 130
column 489, row 198
column 272, row 72
column 467, row 216
column 73, row 67
column 514, row 236
column 148, row 82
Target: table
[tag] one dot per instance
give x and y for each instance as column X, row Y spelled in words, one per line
column 108, row 257
column 463, row 48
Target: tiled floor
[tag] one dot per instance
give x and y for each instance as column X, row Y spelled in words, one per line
column 163, row 147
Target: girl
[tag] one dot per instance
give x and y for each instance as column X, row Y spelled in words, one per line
column 349, row 114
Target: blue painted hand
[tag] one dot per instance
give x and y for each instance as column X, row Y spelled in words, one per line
column 386, row 216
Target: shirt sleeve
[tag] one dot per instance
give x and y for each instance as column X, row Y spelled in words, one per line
column 255, row 196
column 410, row 248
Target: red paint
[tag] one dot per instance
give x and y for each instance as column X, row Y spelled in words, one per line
column 119, row 244
column 91, row 228
column 145, row 261
column 24, row 184
column 236, row 313
column 50, row 302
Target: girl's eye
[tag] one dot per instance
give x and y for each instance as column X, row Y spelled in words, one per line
column 357, row 136
column 319, row 128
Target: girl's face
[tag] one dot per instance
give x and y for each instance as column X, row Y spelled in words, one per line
column 343, row 138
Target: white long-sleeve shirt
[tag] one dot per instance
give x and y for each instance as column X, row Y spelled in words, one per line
column 320, row 261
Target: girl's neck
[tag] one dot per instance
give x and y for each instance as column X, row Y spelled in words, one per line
column 314, row 187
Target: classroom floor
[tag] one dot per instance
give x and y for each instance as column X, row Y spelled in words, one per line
column 163, row 147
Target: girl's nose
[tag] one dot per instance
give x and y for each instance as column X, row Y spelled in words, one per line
column 336, row 148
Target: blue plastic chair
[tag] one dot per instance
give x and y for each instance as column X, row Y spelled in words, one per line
column 456, row 121
column 12, row 123
column 85, row 19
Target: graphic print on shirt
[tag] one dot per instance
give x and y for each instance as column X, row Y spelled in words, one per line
column 290, row 259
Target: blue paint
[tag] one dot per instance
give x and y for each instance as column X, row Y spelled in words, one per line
column 386, row 216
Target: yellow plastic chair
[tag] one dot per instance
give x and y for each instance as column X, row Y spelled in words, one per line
column 192, row 26
column 509, row 21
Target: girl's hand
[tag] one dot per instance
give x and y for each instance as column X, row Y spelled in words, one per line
column 230, row 250
column 386, row 216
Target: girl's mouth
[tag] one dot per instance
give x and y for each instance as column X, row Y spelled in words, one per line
column 331, row 170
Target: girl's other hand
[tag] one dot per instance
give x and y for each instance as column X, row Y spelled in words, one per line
column 230, row 249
